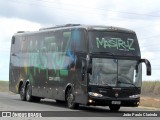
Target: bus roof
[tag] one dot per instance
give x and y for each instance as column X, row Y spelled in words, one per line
column 90, row 27
column 78, row 26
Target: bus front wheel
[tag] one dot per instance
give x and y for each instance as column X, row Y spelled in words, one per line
column 114, row 108
column 70, row 100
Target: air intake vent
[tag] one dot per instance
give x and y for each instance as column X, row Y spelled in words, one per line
column 20, row 31
column 60, row 26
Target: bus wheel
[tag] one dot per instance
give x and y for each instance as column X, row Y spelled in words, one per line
column 114, row 108
column 29, row 96
column 22, row 93
column 70, row 100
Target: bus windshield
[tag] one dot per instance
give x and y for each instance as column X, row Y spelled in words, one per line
column 118, row 43
column 112, row 72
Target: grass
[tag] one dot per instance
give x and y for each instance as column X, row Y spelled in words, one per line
column 4, row 86
column 150, row 94
column 151, row 89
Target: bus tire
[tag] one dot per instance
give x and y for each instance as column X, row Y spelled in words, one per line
column 70, row 100
column 22, row 93
column 29, row 96
column 114, row 108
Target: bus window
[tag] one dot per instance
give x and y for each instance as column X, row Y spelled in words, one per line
column 50, row 43
column 13, row 40
column 66, row 40
column 115, row 42
column 17, row 45
column 78, row 36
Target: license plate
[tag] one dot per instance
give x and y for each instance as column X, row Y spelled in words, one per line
column 116, row 102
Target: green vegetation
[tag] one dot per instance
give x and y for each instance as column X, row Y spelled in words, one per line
column 151, row 89
column 4, row 86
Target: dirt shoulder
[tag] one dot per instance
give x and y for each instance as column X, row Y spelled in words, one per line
column 150, row 102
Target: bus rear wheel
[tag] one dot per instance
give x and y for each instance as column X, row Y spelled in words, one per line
column 22, row 93
column 70, row 100
column 114, row 108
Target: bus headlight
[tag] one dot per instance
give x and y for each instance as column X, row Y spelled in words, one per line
column 135, row 96
column 95, row 94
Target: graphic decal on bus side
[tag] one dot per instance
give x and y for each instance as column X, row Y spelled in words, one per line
column 117, row 43
column 49, row 56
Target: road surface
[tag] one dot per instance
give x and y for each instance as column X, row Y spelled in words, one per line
column 12, row 102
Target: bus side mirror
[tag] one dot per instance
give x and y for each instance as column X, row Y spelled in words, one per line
column 148, row 66
column 89, row 64
column 83, row 69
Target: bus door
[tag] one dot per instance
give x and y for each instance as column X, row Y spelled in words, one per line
column 80, row 79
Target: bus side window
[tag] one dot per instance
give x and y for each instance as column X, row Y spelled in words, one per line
column 13, row 40
column 13, row 46
column 17, row 45
column 59, row 41
column 66, row 41
column 30, row 47
column 78, row 36
column 50, row 43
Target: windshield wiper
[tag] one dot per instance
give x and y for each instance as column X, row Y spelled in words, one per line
column 101, row 84
column 106, row 85
column 104, row 53
column 129, row 84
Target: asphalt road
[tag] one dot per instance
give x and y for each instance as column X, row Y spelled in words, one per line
column 12, row 102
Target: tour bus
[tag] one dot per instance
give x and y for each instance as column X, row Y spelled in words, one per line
column 78, row 64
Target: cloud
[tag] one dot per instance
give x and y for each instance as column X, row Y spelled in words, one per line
column 75, row 11
column 10, row 26
column 141, row 16
column 20, row 9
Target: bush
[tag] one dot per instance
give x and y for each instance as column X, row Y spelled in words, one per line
column 151, row 87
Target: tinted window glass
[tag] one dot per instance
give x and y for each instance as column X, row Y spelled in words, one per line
column 78, row 36
column 66, row 40
column 115, row 42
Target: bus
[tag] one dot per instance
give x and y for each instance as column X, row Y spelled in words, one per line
column 79, row 64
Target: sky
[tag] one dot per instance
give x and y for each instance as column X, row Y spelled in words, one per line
column 142, row 16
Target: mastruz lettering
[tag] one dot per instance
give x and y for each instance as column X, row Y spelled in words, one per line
column 117, row 43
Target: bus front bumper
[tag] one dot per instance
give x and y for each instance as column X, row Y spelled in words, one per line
column 126, row 102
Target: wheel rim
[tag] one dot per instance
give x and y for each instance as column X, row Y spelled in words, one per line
column 22, row 92
column 70, row 99
column 28, row 93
